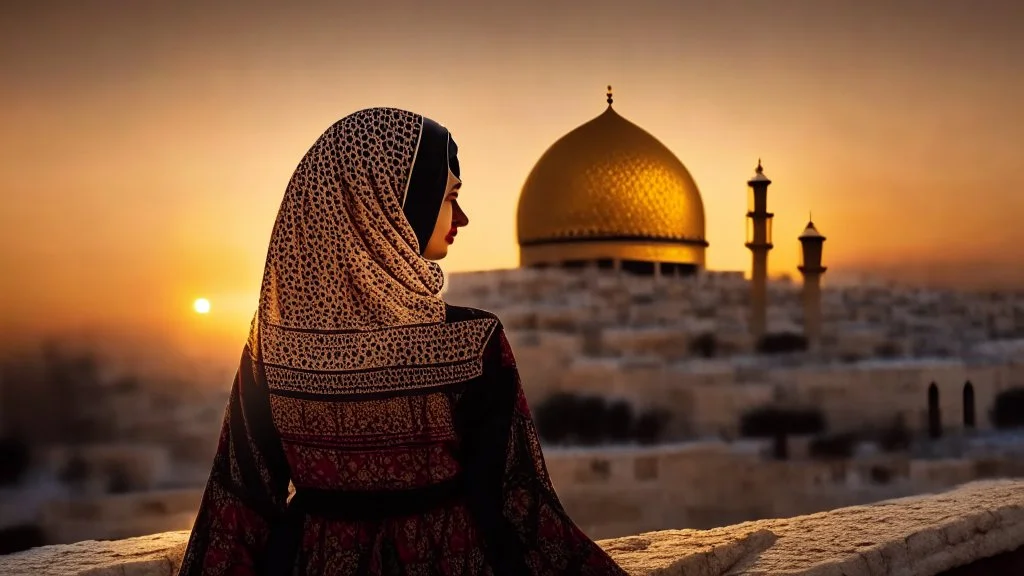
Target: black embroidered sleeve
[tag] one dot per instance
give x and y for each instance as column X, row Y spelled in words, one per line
column 247, row 489
column 525, row 526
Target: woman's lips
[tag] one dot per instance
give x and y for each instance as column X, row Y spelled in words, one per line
column 450, row 238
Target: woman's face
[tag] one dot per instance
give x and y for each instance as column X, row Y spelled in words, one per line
column 449, row 220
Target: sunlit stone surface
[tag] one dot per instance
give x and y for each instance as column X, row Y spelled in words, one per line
column 918, row 536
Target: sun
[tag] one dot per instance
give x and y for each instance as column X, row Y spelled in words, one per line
column 201, row 306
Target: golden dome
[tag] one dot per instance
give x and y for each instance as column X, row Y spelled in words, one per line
column 610, row 190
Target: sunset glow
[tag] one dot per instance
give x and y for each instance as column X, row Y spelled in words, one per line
column 180, row 124
column 201, row 306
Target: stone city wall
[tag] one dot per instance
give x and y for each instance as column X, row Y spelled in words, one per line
column 708, row 397
column 632, row 338
column 975, row 529
column 116, row 516
column 615, row 491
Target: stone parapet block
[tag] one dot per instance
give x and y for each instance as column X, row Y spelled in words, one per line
column 916, row 536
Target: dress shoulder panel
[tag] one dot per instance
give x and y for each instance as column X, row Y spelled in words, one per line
column 465, row 313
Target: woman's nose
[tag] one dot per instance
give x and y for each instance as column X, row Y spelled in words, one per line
column 459, row 217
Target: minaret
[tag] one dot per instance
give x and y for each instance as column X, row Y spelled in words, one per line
column 811, row 242
column 759, row 241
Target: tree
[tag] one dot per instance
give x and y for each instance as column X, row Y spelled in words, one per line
column 21, row 537
column 881, row 475
column 783, row 343
column 705, row 345
column 16, row 458
column 75, row 471
column 650, row 426
column 619, row 421
column 591, row 420
column 556, row 417
column 591, row 423
column 769, row 421
column 896, row 437
column 118, row 479
column 834, row 447
column 1008, row 409
column 780, row 446
column 888, row 350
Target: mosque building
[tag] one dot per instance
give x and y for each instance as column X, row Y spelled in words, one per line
column 610, row 195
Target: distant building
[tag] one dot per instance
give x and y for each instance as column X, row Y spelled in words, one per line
column 609, row 194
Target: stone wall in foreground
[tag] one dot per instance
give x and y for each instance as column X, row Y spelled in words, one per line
column 977, row 528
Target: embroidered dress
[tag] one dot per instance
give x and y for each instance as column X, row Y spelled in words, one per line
column 400, row 420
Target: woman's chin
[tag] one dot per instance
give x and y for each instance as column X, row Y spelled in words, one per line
column 438, row 255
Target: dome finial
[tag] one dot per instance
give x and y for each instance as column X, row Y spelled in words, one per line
column 609, row 94
column 759, row 168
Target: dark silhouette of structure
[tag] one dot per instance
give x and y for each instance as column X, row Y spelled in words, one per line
column 934, row 416
column 969, row 422
column 811, row 244
column 759, row 242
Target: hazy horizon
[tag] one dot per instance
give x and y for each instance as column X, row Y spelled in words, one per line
column 147, row 145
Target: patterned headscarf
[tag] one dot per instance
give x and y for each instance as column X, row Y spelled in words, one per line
column 348, row 304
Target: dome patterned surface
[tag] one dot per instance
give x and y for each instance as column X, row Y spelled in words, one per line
column 609, row 189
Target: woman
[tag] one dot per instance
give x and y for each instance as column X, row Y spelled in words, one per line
column 400, row 420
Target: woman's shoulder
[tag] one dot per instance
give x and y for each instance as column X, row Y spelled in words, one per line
column 495, row 348
column 486, row 324
column 465, row 314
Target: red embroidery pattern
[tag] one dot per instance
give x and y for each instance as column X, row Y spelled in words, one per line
column 335, row 444
column 358, row 377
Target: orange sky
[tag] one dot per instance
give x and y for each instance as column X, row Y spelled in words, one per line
column 145, row 149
